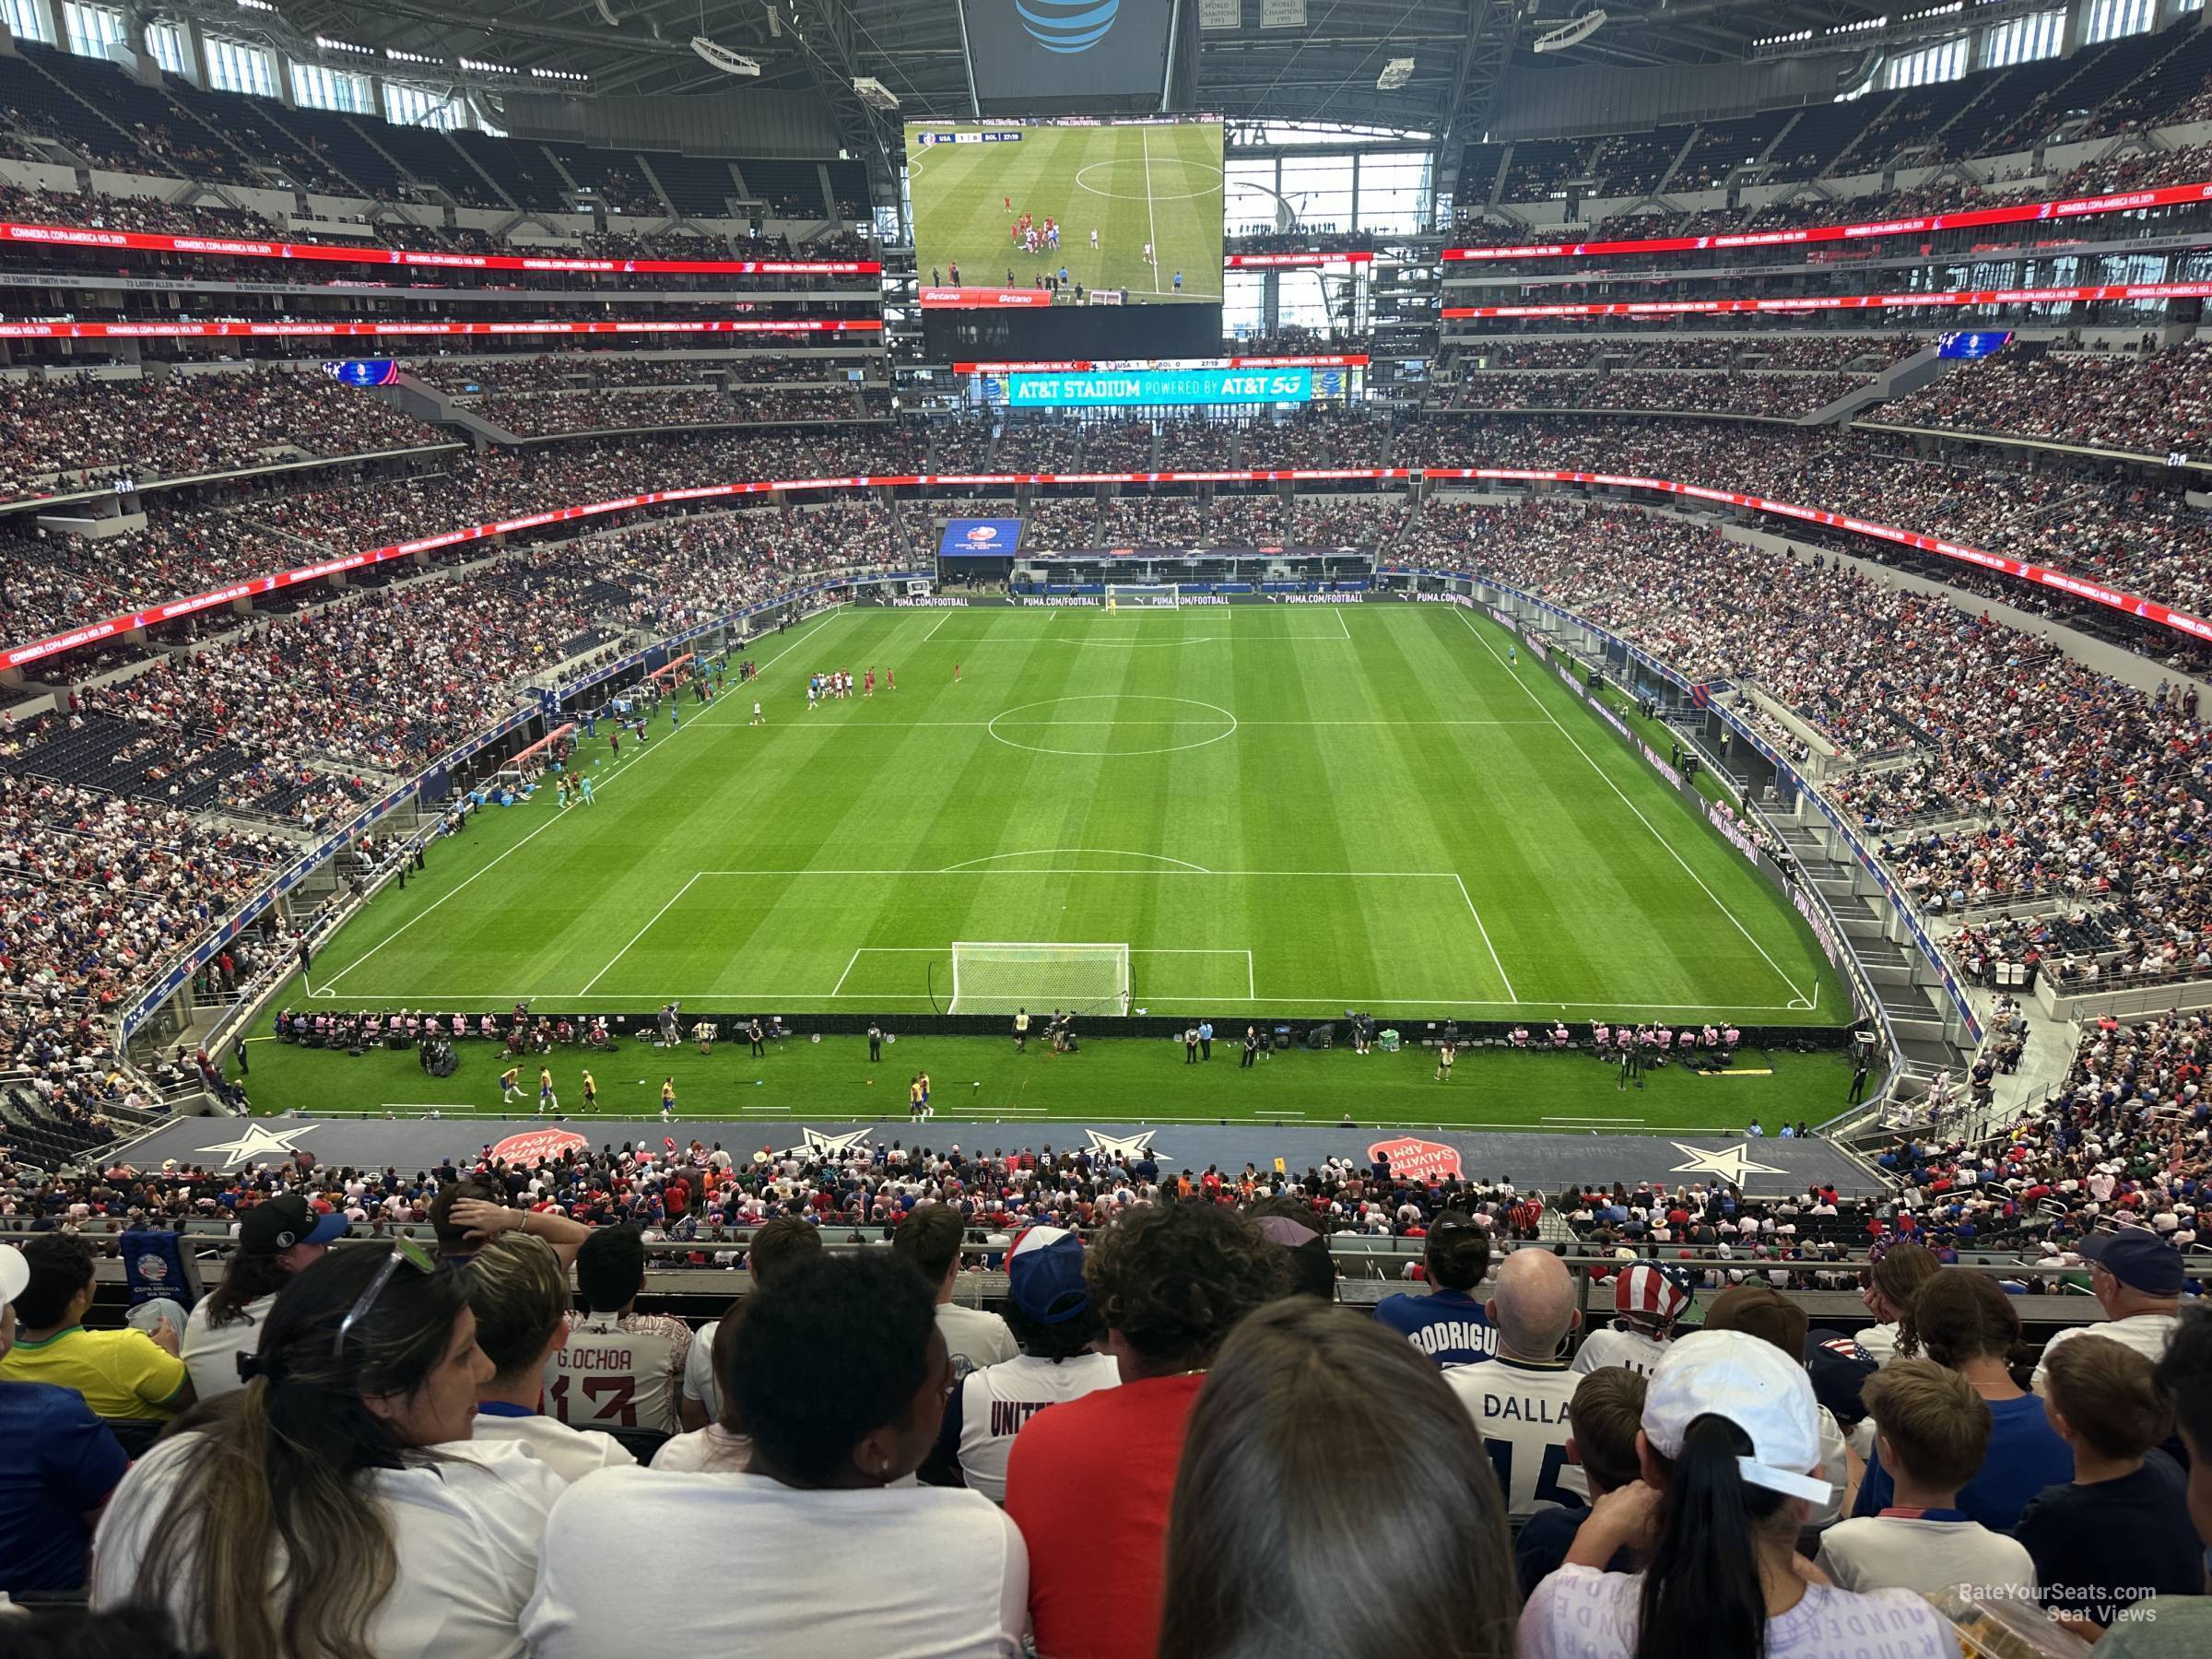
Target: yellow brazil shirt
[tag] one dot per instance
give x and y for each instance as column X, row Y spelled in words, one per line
column 121, row 1373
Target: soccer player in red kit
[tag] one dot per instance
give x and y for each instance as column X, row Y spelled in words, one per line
column 956, row 674
column 890, row 679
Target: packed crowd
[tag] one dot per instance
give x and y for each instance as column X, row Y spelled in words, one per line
column 63, row 433
column 556, row 414
column 2064, row 781
column 2152, row 403
column 1769, row 397
column 1165, row 1407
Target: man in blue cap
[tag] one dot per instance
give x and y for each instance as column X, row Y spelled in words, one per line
column 1050, row 1311
column 2136, row 1277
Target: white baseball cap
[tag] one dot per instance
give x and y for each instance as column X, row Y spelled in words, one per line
column 1755, row 1385
column 15, row 1274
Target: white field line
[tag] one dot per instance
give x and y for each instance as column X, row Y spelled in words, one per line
column 784, row 998
column 1485, row 932
column 638, row 934
column 1151, row 218
column 1798, row 997
column 941, row 622
column 332, row 977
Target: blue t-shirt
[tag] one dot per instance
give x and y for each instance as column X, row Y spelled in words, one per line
column 1447, row 1325
column 57, row 1460
column 2025, row 1455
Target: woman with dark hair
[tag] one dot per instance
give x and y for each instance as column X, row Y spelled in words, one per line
column 1303, row 1393
column 323, row 1511
column 1731, row 1451
column 1895, row 1271
column 278, row 1237
column 1966, row 1323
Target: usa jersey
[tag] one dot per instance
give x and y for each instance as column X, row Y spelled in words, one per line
column 1448, row 1326
column 990, row 1406
column 1619, row 1346
column 1521, row 1410
column 616, row 1374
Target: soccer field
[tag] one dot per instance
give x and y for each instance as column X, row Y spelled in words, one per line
column 1278, row 810
column 1132, row 184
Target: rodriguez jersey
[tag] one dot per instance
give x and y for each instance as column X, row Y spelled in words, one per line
column 611, row 1378
column 1521, row 1410
column 1448, row 1326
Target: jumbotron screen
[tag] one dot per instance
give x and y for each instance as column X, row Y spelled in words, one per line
column 1024, row 213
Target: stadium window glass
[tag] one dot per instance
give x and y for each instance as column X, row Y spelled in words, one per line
column 1244, row 304
column 412, row 106
column 1248, row 198
column 2112, row 20
column 322, row 89
column 234, row 66
column 1943, row 61
column 1392, row 188
column 165, row 41
column 2023, row 39
column 90, row 28
column 26, row 21
column 1299, row 302
column 1319, row 189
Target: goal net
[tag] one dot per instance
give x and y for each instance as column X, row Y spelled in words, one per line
column 1120, row 595
column 1000, row 978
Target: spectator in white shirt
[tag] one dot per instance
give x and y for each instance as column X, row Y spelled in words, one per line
column 2136, row 1277
column 1933, row 1431
column 930, row 1236
column 1302, row 1391
column 335, row 1508
column 278, row 1237
column 777, row 1241
column 1731, row 1438
column 519, row 1293
column 1896, row 1270
column 839, row 1375
column 1050, row 1310
column 722, row 1445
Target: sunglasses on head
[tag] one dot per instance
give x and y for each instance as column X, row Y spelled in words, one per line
column 404, row 1248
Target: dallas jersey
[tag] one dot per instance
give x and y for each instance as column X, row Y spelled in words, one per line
column 990, row 1406
column 610, row 1377
column 1619, row 1345
column 1448, row 1326
column 1521, row 1409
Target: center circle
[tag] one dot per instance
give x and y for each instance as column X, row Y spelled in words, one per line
column 1144, row 192
column 1089, row 731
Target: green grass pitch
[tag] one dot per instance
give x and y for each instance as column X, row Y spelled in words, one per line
column 1280, row 810
column 1132, row 184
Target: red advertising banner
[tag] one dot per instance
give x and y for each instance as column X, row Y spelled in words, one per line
column 2018, row 213
column 1289, row 262
column 225, row 247
column 2064, row 582
column 982, row 298
column 275, row 331
column 1839, row 302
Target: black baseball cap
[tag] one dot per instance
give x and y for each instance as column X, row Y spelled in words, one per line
column 275, row 1225
column 2138, row 1258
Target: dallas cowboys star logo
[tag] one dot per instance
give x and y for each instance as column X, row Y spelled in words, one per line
column 257, row 1142
column 827, row 1146
column 1114, row 1150
column 1731, row 1163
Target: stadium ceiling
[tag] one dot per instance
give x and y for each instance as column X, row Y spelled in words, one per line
column 1326, row 70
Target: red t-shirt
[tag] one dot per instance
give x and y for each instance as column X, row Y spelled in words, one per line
column 1088, row 1482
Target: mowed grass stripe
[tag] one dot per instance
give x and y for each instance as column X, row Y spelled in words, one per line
column 1585, row 908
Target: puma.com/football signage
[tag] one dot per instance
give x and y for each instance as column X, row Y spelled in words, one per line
column 1024, row 50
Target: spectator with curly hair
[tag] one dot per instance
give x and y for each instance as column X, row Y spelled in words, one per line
column 1305, row 1390
column 839, row 1375
column 1091, row 1481
column 1894, row 1277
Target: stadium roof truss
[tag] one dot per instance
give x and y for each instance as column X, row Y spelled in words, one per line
column 1324, row 70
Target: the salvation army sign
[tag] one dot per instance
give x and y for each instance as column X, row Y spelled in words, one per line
column 536, row 1145
column 1416, row 1158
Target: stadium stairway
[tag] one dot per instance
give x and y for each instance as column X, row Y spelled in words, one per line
column 1907, row 374
column 426, row 402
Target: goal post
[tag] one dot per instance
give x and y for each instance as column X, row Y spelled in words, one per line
column 1154, row 594
column 991, row 977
